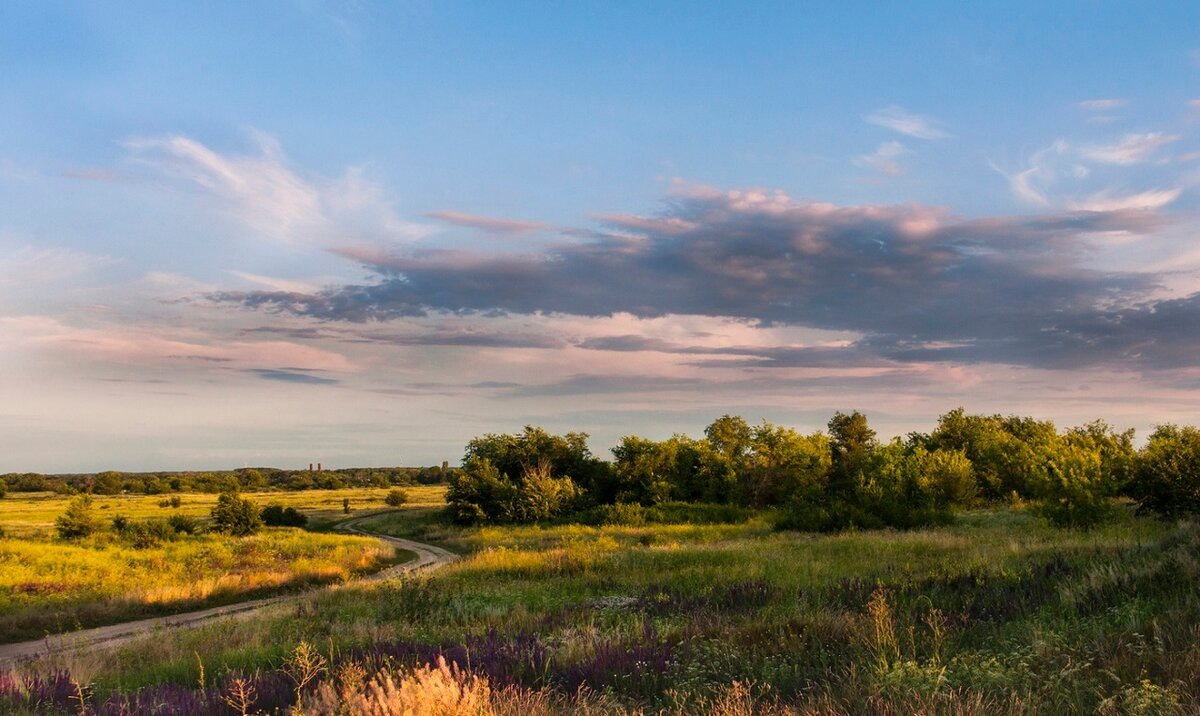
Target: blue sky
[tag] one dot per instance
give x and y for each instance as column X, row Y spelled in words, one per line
column 275, row 233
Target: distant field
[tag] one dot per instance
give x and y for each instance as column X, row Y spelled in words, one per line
column 997, row 614
column 50, row 586
column 32, row 514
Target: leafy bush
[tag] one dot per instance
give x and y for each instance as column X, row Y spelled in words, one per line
column 396, row 497
column 148, row 533
column 625, row 514
column 79, row 520
column 184, row 524
column 280, row 516
column 1074, row 491
column 235, row 515
column 480, row 493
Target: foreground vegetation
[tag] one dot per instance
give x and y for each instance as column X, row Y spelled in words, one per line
column 998, row 613
column 143, row 556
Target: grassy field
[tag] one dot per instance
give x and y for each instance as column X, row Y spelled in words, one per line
column 996, row 614
column 48, row 586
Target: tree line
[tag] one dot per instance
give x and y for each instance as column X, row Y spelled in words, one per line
column 247, row 479
column 843, row 477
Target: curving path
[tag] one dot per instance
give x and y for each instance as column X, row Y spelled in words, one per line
column 429, row 557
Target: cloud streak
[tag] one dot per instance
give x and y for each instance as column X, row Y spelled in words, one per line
column 900, row 120
column 488, row 224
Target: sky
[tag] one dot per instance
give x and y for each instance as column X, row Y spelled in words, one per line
column 362, row 233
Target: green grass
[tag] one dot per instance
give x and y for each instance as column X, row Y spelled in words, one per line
column 998, row 613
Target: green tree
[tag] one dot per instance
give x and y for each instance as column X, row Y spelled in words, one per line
column 3, row 488
column 512, row 454
column 235, row 515
column 79, row 520
column 479, row 493
column 730, row 435
column 1166, row 478
column 851, row 443
column 782, row 463
column 108, row 483
column 644, row 470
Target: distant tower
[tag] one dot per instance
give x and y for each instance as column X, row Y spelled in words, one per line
column 318, row 467
column 310, row 467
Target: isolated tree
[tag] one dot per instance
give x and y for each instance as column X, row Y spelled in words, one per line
column 235, row 515
column 396, row 497
column 79, row 520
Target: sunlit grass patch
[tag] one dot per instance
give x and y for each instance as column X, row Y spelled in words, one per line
column 48, row 587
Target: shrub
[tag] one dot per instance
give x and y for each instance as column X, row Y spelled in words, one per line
column 622, row 513
column 184, row 524
column 235, row 515
column 1073, row 491
column 396, row 497
column 480, row 493
column 3, row 488
column 148, row 533
column 79, row 520
column 280, row 516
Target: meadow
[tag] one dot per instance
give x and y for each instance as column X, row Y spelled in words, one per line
column 48, row 586
column 998, row 613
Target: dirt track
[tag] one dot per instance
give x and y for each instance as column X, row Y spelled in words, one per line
column 428, row 558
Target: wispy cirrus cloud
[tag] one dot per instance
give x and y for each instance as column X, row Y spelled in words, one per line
column 884, row 159
column 29, row 264
column 1129, row 149
column 900, row 120
column 261, row 191
column 1109, row 201
column 1065, row 176
column 489, row 224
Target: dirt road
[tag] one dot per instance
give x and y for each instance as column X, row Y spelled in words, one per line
column 428, row 558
